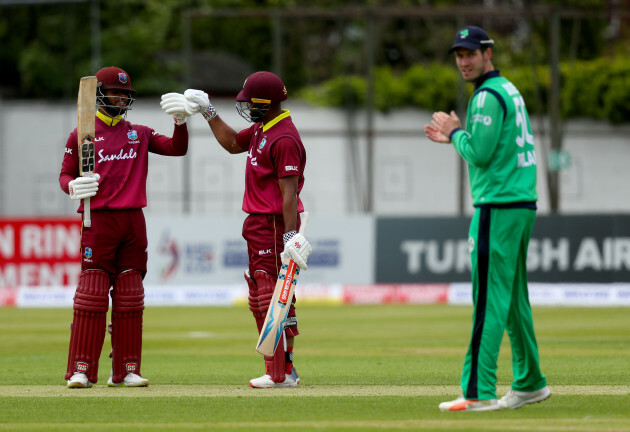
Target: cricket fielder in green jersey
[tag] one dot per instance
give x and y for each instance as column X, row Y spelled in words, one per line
column 498, row 147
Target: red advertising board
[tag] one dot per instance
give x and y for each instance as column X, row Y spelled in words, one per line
column 39, row 252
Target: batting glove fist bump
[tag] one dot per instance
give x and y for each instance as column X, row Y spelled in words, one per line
column 178, row 106
column 83, row 187
column 296, row 248
column 200, row 98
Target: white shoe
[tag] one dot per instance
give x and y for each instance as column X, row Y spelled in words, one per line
column 463, row 404
column 515, row 399
column 131, row 380
column 79, row 380
column 290, row 381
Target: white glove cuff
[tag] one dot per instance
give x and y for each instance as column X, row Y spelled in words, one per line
column 179, row 121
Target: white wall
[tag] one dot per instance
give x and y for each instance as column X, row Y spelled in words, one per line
column 412, row 176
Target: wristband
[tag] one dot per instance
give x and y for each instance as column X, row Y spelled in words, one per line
column 209, row 113
column 450, row 137
column 288, row 236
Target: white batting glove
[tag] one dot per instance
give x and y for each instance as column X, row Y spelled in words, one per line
column 201, row 98
column 297, row 248
column 178, row 106
column 83, row 187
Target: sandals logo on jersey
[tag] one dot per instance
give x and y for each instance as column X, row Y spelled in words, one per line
column 81, row 367
column 262, row 144
column 133, row 136
column 120, row 156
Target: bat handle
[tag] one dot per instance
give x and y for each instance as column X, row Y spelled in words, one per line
column 87, row 222
column 303, row 219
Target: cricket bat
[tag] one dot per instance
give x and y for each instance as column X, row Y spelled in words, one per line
column 86, row 106
column 273, row 327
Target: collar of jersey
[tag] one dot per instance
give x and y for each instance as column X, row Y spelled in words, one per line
column 109, row 121
column 272, row 123
column 492, row 74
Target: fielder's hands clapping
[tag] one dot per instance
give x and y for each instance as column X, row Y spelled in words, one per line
column 298, row 249
column 83, row 187
column 441, row 127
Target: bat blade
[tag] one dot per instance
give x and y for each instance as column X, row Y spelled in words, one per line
column 273, row 327
column 86, row 106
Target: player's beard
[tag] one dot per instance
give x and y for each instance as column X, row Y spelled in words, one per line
column 471, row 75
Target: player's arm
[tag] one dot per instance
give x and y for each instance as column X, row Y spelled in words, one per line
column 287, row 163
column 289, row 189
column 296, row 247
column 229, row 139
column 69, row 163
column 167, row 146
column 477, row 145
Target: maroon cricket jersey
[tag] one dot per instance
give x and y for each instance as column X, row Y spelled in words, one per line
column 275, row 151
column 122, row 160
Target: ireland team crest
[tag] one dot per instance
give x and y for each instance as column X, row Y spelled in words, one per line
column 464, row 34
column 471, row 244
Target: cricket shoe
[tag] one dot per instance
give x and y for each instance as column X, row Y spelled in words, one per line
column 463, row 404
column 131, row 380
column 290, row 381
column 515, row 399
column 79, row 380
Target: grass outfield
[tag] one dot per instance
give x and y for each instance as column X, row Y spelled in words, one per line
column 362, row 368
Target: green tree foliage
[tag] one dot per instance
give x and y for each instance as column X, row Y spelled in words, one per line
column 46, row 48
column 598, row 89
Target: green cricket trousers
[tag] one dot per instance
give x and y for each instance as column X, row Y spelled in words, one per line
column 498, row 241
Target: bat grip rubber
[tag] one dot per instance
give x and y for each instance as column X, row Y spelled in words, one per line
column 87, row 222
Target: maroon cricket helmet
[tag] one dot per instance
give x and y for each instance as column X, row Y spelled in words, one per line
column 263, row 85
column 114, row 78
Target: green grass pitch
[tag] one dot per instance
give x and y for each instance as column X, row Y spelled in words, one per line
column 363, row 368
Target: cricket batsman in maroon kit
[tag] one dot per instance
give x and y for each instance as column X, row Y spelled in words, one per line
column 114, row 247
column 274, row 176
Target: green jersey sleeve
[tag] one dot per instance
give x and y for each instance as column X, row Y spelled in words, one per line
column 483, row 129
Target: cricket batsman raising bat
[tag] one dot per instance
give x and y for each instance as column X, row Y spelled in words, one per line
column 108, row 172
column 273, row 327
